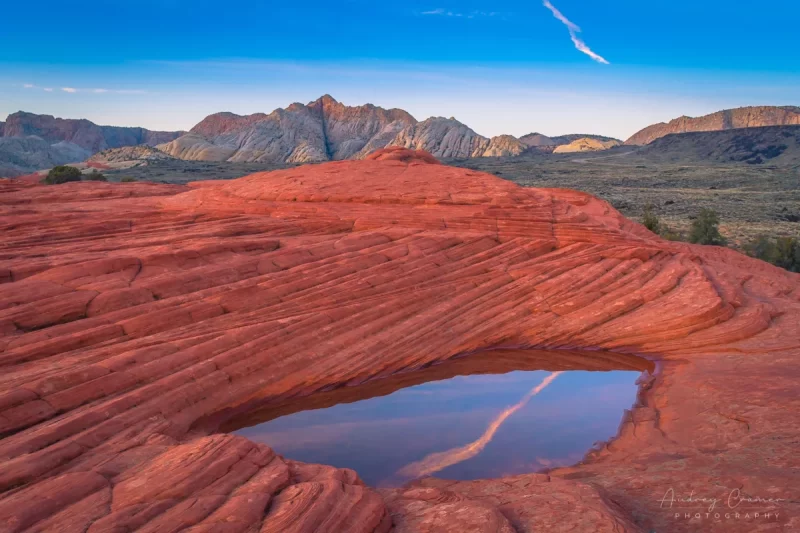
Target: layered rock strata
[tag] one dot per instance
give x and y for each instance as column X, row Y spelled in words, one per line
column 327, row 130
column 728, row 119
column 81, row 132
column 134, row 318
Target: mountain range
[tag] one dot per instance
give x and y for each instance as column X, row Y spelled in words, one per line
column 327, row 130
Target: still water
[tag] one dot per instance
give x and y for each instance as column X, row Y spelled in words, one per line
column 461, row 427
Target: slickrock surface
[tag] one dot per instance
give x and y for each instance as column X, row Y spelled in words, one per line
column 135, row 318
column 742, row 117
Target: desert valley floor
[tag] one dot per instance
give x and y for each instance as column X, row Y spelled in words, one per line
column 142, row 324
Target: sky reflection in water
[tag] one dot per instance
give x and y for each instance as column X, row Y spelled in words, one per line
column 445, row 428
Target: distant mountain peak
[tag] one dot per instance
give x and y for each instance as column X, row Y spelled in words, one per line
column 327, row 99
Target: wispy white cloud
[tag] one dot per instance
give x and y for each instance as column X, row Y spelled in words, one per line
column 437, row 461
column 574, row 30
column 471, row 15
column 73, row 90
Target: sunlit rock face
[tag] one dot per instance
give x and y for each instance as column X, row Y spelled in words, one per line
column 327, row 130
column 727, row 119
column 137, row 319
column 585, row 144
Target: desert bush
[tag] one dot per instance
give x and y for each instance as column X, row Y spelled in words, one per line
column 96, row 176
column 62, row 174
column 127, row 179
column 780, row 251
column 670, row 234
column 650, row 219
column 705, row 228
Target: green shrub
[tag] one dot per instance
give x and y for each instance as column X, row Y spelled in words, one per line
column 705, row 228
column 95, row 176
column 650, row 220
column 62, row 174
column 127, row 179
column 669, row 234
column 780, row 251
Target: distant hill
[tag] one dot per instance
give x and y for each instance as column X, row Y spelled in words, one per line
column 30, row 142
column 586, row 144
column 544, row 144
column 743, row 117
column 572, row 137
column 775, row 145
column 81, row 132
column 141, row 152
column 23, row 155
column 537, row 140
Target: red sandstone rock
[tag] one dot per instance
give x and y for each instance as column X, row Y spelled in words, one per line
column 136, row 319
column 406, row 155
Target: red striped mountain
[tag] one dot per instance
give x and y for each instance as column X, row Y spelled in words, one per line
column 728, row 119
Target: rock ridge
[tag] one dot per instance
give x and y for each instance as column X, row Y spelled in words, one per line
column 327, row 130
column 81, row 132
column 743, row 117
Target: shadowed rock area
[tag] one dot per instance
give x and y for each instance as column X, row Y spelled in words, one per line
column 135, row 317
column 81, row 132
column 31, row 142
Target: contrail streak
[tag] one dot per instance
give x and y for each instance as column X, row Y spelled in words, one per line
column 441, row 460
column 574, row 30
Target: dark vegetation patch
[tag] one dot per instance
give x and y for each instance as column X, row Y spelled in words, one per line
column 62, row 174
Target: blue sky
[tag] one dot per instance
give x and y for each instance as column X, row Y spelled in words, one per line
column 500, row 66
